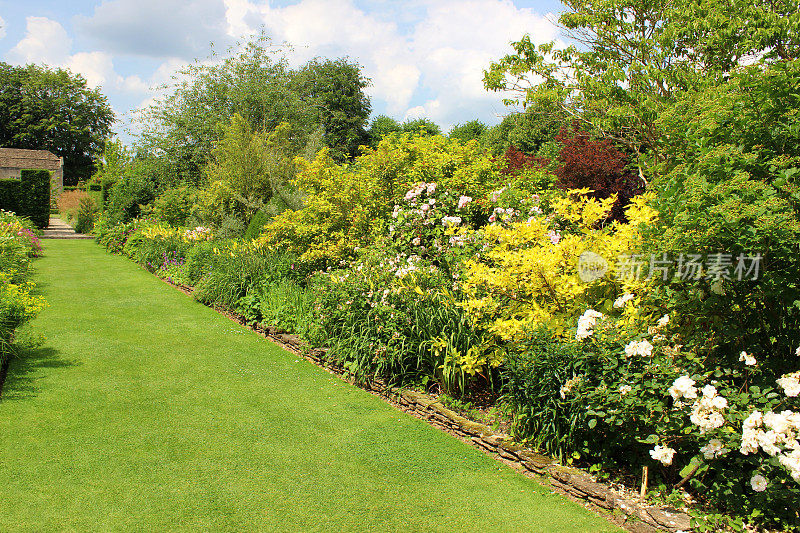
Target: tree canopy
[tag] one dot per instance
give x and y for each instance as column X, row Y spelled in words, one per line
column 52, row 109
column 633, row 58
column 257, row 83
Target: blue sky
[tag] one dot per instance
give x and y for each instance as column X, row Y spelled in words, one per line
column 425, row 57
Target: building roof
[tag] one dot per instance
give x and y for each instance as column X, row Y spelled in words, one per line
column 19, row 158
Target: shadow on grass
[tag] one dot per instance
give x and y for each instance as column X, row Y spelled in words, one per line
column 18, row 381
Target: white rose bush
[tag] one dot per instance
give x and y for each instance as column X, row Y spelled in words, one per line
column 626, row 393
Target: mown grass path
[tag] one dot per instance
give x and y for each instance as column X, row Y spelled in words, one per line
column 146, row 411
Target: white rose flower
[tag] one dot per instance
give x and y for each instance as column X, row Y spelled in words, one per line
column 663, row 454
column 625, row 389
column 586, row 323
column 758, row 482
column 790, row 383
column 625, row 298
column 663, row 321
column 713, row 449
column 683, row 387
column 748, row 359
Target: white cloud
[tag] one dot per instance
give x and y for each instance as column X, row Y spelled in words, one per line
column 157, row 28
column 2, row 28
column 46, row 41
column 425, row 57
column 441, row 51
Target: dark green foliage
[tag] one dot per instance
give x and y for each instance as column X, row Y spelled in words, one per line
column 256, row 226
column 529, row 131
column 380, row 127
column 9, row 195
column 34, row 196
column 732, row 186
column 127, row 196
column 421, row 126
column 468, row 131
column 531, row 384
column 46, row 109
column 336, row 90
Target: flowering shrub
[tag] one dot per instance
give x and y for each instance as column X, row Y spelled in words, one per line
column 18, row 305
column 393, row 317
column 527, row 274
column 349, row 207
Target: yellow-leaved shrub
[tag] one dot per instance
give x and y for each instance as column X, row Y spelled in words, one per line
column 348, row 206
column 528, row 275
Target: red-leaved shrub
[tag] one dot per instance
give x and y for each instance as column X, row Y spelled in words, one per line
column 597, row 165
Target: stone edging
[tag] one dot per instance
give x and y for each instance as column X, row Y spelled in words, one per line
column 631, row 513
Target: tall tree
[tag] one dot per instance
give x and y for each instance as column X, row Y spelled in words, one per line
column 183, row 127
column 380, row 127
column 335, row 89
column 634, row 57
column 256, row 82
column 53, row 109
column 467, row 131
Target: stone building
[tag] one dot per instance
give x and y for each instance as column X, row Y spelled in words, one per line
column 13, row 160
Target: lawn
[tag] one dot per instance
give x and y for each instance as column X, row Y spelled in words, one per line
column 145, row 410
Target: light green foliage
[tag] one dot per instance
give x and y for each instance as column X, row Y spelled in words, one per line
column 85, row 216
column 722, row 33
column 253, row 166
column 174, row 206
column 112, row 164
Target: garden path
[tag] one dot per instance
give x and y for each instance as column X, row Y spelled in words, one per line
column 144, row 410
column 58, row 229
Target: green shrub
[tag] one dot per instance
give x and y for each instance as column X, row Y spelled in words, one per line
column 17, row 305
column 85, row 217
column 731, row 188
column 174, row 206
column 9, row 195
column 532, row 379
column 34, row 196
column 127, row 197
column 256, row 226
column 236, row 271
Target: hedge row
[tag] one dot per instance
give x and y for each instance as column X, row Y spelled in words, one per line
column 28, row 196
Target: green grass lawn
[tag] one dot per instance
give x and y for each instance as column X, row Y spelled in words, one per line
column 147, row 411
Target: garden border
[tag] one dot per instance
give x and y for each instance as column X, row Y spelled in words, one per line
column 632, row 514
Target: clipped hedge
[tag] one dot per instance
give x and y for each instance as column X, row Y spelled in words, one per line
column 34, row 196
column 9, row 195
